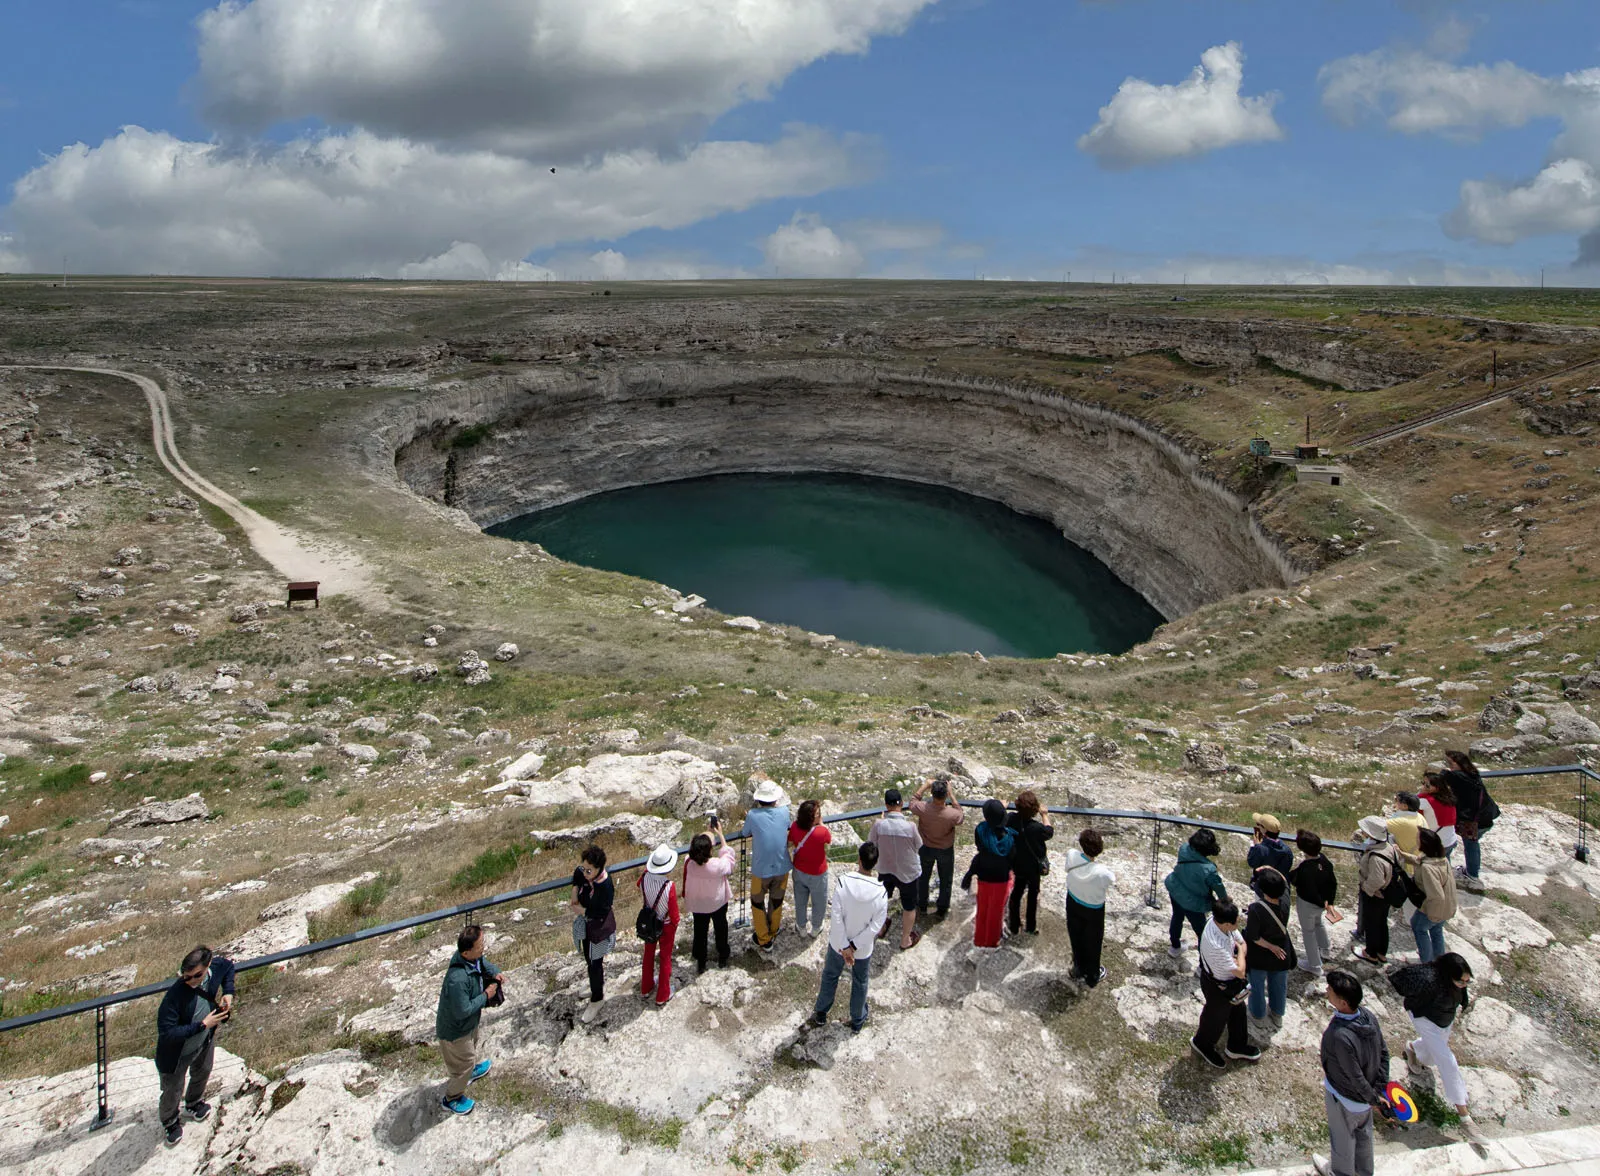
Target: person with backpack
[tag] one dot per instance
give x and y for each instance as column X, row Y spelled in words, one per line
column 1088, row 883
column 1267, row 850
column 1270, row 952
column 594, row 923
column 1434, row 993
column 1192, row 885
column 1382, row 881
column 995, row 840
column 860, row 910
column 900, row 866
column 1030, row 860
column 809, row 839
column 1315, row 888
column 199, row 1000
column 1355, row 1076
column 471, row 984
column 1434, row 894
column 657, row 924
column 1475, row 812
column 1223, row 985
column 707, row 892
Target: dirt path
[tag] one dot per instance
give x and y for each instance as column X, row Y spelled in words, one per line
column 293, row 556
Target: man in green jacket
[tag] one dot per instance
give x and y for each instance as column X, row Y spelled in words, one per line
column 469, row 983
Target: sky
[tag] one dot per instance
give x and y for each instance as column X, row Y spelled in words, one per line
column 1305, row 141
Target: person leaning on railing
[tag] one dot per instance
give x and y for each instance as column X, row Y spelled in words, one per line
column 200, row 999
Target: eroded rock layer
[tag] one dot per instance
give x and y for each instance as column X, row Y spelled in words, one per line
column 502, row 446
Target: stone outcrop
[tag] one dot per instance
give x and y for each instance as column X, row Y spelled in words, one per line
column 1130, row 496
column 685, row 784
column 163, row 812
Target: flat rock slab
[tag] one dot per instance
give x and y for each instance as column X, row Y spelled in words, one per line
column 162, row 812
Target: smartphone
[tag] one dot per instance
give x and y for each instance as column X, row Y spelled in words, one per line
column 716, row 821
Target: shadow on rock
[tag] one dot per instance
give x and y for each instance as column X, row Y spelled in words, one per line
column 1188, row 1091
column 410, row 1114
column 130, row 1152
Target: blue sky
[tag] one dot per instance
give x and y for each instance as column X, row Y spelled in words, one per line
column 1344, row 140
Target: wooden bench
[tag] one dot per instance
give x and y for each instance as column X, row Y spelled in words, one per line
column 305, row 590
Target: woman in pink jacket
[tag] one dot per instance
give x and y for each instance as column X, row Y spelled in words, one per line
column 706, row 892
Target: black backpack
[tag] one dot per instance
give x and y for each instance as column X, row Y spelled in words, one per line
column 649, row 925
column 1396, row 892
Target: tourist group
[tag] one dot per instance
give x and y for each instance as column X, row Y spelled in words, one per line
column 1245, row 956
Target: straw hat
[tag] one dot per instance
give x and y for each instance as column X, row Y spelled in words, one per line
column 768, row 792
column 1376, row 828
column 1266, row 822
column 662, row 859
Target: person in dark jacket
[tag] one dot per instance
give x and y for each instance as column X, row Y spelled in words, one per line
column 1267, row 853
column 470, row 983
column 1192, row 885
column 1355, row 1072
column 1461, row 774
column 992, row 864
column 200, row 999
column 1270, row 954
column 1315, row 888
column 594, row 928
column 1030, row 859
column 1434, row 993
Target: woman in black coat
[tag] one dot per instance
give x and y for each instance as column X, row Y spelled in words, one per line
column 1030, row 859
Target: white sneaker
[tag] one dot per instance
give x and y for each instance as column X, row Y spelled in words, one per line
column 1469, row 1128
column 1321, row 1165
column 1174, row 952
column 590, row 1012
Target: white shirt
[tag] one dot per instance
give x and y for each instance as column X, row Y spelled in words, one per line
column 1087, row 880
column 1216, row 950
column 860, row 907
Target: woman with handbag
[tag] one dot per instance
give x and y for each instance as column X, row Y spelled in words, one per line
column 1270, row 954
column 1475, row 811
column 809, row 839
column 594, row 923
column 657, row 924
column 1030, row 861
column 1223, row 984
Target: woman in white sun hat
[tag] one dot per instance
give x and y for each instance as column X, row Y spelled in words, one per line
column 658, row 922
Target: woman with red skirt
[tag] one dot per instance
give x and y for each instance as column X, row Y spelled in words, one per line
column 992, row 865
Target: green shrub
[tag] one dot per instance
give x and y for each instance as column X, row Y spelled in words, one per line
column 64, row 779
column 490, row 866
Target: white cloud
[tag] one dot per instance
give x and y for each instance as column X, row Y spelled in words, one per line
column 359, row 204
column 534, row 77
column 1416, row 93
column 10, row 260
column 1146, row 123
column 807, row 248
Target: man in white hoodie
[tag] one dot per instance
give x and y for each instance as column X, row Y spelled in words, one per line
column 860, row 909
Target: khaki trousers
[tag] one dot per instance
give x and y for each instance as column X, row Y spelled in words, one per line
column 460, row 1056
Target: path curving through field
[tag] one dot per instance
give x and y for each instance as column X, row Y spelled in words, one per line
column 291, row 554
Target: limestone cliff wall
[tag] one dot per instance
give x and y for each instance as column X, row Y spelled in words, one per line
column 1119, row 489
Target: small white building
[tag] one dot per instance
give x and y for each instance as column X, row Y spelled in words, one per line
column 1328, row 475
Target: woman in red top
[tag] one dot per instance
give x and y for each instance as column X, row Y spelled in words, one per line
column 809, row 839
column 658, row 892
column 1439, row 809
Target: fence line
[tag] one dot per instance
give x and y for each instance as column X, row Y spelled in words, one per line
column 98, row 1005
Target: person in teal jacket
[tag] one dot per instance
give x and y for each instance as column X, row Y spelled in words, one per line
column 470, row 983
column 1193, row 883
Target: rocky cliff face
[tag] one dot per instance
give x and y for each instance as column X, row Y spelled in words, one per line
column 500, row 447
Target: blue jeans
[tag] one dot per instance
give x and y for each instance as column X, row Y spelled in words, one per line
column 1197, row 920
column 1430, row 937
column 832, row 969
column 810, row 894
column 1474, row 856
column 1268, row 988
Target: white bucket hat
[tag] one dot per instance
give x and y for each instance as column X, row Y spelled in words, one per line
column 768, row 792
column 1375, row 828
column 662, row 859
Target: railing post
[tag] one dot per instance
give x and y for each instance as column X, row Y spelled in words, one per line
column 102, row 1068
column 743, row 899
column 1155, row 855
column 1581, row 850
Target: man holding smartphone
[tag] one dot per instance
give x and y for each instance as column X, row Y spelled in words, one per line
column 200, row 999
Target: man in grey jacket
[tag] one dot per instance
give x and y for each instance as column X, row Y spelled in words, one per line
column 899, row 864
column 1355, row 1071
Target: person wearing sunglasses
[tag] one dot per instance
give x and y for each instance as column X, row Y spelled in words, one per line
column 200, row 999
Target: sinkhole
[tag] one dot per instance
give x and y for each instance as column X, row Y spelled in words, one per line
column 899, row 565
